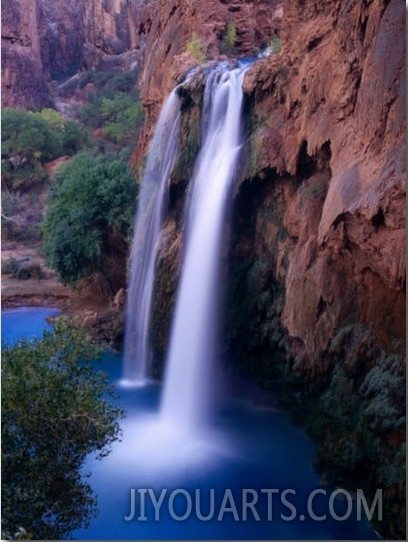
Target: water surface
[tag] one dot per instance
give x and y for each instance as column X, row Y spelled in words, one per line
column 249, row 446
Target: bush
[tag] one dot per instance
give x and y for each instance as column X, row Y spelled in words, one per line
column 29, row 271
column 26, row 137
column 22, row 270
column 122, row 117
column 384, row 389
column 55, row 411
column 229, row 38
column 196, row 48
column 90, row 211
column 114, row 101
column 10, row 267
column 109, row 83
column 275, row 45
column 31, row 139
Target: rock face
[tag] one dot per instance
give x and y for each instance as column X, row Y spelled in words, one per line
column 53, row 39
column 318, row 261
column 111, row 34
column 22, row 80
column 316, row 281
column 335, row 123
column 166, row 26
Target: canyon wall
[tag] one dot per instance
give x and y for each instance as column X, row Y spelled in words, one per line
column 22, row 80
column 44, row 40
column 166, row 27
column 328, row 113
column 315, row 300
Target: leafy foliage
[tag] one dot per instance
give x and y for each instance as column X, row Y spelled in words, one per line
column 122, row 117
column 55, row 411
column 109, row 83
column 384, row 386
column 22, row 270
column 275, row 45
column 196, row 48
column 90, row 211
column 113, row 105
column 30, row 139
column 229, row 38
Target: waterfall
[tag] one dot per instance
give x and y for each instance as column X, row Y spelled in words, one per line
column 186, row 400
column 152, row 200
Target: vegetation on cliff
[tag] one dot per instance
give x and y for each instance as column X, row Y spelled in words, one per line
column 197, row 48
column 93, row 193
column 48, row 430
column 89, row 217
column 30, row 140
column 111, row 106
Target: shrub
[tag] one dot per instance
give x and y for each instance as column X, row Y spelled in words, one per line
column 384, row 388
column 229, row 38
column 10, row 266
column 109, row 83
column 275, row 45
column 29, row 271
column 22, row 269
column 55, row 411
column 88, row 220
column 29, row 140
column 114, row 93
column 196, row 48
column 123, row 118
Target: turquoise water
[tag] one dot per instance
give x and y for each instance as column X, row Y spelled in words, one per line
column 25, row 322
column 249, row 446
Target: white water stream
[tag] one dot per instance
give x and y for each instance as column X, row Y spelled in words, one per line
column 152, row 200
column 187, row 395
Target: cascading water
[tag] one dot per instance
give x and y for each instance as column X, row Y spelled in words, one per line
column 152, row 199
column 193, row 342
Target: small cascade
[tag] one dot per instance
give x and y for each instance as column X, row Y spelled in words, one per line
column 187, row 397
column 152, row 201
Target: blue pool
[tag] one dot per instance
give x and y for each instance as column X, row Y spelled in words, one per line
column 250, row 473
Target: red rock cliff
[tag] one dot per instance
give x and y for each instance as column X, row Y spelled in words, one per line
column 165, row 28
column 336, row 92
column 317, row 261
column 48, row 39
column 22, row 81
column 322, row 230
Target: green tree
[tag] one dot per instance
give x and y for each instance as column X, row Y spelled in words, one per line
column 123, row 118
column 196, row 48
column 30, row 139
column 55, row 411
column 90, row 211
column 25, row 136
column 229, row 38
column 107, row 86
column 275, row 45
column 67, row 135
column 72, row 138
